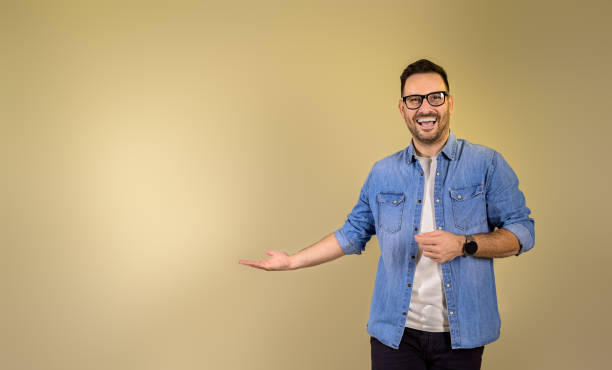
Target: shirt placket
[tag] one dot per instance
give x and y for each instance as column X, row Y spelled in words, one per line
column 412, row 245
column 447, row 277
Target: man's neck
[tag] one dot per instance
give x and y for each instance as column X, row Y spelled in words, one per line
column 429, row 150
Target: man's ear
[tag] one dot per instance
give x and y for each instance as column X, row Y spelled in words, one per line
column 451, row 102
column 400, row 106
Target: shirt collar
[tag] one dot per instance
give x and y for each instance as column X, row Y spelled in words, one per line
column 449, row 149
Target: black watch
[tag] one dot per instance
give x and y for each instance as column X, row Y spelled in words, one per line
column 470, row 247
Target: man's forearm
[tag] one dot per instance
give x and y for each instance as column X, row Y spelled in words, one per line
column 326, row 249
column 496, row 244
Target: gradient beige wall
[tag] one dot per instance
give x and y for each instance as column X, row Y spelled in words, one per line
column 147, row 146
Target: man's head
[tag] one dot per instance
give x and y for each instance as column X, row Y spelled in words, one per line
column 427, row 116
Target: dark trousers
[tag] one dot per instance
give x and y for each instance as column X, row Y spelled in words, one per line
column 421, row 350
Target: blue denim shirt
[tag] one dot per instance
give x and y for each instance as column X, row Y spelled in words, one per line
column 475, row 191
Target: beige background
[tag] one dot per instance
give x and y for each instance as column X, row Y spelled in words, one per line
column 146, row 147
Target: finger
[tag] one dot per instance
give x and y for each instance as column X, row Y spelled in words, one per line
column 257, row 264
column 425, row 238
column 248, row 263
column 428, row 247
column 273, row 253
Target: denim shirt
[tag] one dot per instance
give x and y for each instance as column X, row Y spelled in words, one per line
column 475, row 191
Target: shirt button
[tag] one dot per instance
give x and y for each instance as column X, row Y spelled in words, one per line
column 458, row 196
column 439, row 227
column 448, row 285
column 437, row 200
column 416, row 229
column 404, row 313
column 437, row 173
column 419, row 201
column 395, row 202
column 452, row 313
column 413, row 257
column 409, row 285
column 421, row 173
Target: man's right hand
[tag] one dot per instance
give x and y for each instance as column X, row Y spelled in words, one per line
column 278, row 261
column 324, row 250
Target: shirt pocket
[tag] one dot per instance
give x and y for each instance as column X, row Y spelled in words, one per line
column 469, row 206
column 390, row 210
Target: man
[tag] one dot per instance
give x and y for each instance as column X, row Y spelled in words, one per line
column 442, row 209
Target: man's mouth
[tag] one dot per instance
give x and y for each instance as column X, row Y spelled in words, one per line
column 427, row 122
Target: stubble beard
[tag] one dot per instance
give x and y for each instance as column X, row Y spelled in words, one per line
column 438, row 135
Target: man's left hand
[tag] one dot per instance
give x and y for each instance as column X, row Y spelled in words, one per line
column 441, row 246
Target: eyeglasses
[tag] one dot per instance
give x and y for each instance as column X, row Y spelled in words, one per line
column 435, row 99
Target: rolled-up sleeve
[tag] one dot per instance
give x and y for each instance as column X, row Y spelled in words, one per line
column 359, row 226
column 506, row 204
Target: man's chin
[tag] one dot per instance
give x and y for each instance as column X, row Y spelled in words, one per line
column 429, row 138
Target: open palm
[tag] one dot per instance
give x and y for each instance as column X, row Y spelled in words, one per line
column 278, row 261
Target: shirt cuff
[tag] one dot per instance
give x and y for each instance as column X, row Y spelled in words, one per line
column 345, row 244
column 523, row 235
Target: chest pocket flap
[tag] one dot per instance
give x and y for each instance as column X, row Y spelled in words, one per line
column 467, row 193
column 390, row 199
column 390, row 209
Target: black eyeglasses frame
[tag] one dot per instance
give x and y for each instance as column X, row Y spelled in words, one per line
column 423, row 97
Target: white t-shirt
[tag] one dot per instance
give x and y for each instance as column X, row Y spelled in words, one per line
column 427, row 310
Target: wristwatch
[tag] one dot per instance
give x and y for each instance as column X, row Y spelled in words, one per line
column 470, row 247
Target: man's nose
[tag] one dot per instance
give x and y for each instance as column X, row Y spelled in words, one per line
column 425, row 107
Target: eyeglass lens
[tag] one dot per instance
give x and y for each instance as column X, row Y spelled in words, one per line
column 434, row 99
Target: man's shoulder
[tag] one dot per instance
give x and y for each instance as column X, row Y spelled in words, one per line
column 467, row 150
column 392, row 160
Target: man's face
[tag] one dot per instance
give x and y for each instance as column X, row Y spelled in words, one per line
column 419, row 121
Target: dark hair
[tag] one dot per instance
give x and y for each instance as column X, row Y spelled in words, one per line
column 422, row 66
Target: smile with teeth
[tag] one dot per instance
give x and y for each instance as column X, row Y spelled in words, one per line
column 427, row 122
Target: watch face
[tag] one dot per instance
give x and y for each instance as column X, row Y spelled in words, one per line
column 471, row 247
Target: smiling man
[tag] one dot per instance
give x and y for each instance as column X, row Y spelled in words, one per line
column 442, row 209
